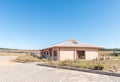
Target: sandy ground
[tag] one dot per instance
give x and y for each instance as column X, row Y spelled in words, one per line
column 30, row 72
column 7, row 60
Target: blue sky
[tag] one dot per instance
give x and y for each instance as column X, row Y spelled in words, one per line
column 35, row 24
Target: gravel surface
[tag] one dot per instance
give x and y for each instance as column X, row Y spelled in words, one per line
column 30, row 72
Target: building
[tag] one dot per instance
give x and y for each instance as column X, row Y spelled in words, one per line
column 71, row 50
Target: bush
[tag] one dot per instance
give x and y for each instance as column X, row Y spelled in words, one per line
column 45, row 60
column 26, row 58
column 99, row 67
column 66, row 63
column 94, row 64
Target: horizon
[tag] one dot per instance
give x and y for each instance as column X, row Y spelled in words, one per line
column 54, row 44
column 36, row 24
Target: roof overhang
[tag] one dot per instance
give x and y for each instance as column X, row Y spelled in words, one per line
column 72, row 47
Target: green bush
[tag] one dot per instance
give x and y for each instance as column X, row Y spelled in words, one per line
column 99, row 67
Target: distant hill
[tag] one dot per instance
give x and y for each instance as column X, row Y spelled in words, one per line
column 112, row 49
column 8, row 49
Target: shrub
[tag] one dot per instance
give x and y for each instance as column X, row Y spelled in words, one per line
column 45, row 60
column 94, row 64
column 66, row 63
column 99, row 67
column 26, row 58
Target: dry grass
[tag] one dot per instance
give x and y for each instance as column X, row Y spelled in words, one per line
column 113, row 65
column 106, row 65
column 27, row 58
column 106, row 53
column 94, row 64
column 12, row 54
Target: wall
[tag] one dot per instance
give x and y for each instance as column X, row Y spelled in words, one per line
column 66, row 54
column 58, row 54
column 70, row 53
column 44, row 53
column 91, row 54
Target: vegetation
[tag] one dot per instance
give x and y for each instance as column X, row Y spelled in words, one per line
column 8, row 50
column 10, row 54
column 106, row 65
column 109, row 59
column 94, row 64
column 99, row 67
column 113, row 49
column 112, row 52
column 18, row 52
column 27, row 58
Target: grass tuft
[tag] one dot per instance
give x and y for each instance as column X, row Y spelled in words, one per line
column 27, row 58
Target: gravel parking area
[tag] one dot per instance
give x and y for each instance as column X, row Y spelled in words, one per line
column 30, row 72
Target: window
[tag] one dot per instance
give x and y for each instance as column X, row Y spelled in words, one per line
column 46, row 52
column 81, row 54
column 55, row 52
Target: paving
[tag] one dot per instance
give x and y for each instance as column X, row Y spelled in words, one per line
column 30, row 72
